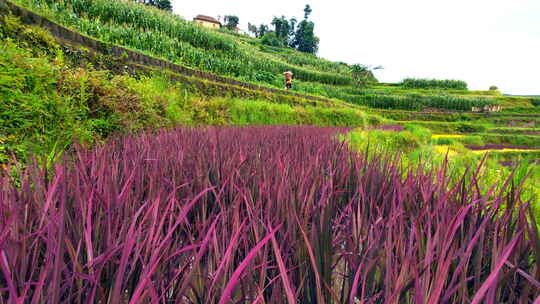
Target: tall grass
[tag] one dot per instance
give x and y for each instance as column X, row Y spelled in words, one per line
column 413, row 83
column 420, row 102
column 258, row 215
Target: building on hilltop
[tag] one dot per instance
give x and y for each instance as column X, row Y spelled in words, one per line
column 207, row 21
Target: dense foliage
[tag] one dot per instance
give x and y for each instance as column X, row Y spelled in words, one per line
column 419, row 102
column 273, row 215
column 413, row 83
column 231, row 22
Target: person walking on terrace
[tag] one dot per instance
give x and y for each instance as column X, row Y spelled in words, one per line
column 288, row 79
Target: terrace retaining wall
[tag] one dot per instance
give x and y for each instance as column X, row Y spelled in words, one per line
column 66, row 35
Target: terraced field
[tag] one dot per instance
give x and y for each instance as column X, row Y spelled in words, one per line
column 128, row 118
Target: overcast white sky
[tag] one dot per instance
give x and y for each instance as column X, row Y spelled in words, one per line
column 484, row 42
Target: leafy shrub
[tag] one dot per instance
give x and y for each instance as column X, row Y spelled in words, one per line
column 264, row 77
column 535, row 102
column 469, row 128
column 271, row 39
column 444, row 141
column 423, row 134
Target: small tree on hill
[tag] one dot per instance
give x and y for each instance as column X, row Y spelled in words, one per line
column 161, row 4
column 231, row 22
column 363, row 74
column 263, row 29
column 252, row 28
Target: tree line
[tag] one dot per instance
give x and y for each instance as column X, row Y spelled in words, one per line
column 289, row 33
column 282, row 32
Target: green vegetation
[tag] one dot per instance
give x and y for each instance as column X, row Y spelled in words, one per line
column 419, row 102
column 416, row 145
column 161, row 4
column 231, row 22
column 168, row 36
column 289, row 33
column 412, row 83
column 157, row 33
column 55, row 96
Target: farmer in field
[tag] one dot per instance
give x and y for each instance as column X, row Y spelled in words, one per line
column 288, row 79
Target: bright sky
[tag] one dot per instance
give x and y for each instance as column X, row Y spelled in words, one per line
column 484, row 42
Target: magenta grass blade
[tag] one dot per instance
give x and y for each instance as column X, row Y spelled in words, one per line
column 492, row 278
column 289, row 291
column 225, row 297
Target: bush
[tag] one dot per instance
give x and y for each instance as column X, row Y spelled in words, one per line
column 271, row 39
column 535, row 102
column 423, row 134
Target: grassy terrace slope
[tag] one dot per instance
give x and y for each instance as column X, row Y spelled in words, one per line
column 168, row 36
column 55, row 94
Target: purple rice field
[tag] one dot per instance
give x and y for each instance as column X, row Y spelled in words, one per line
column 259, row 215
column 500, row 147
column 394, row 128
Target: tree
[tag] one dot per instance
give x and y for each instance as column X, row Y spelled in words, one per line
column 363, row 74
column 231, row 22
column 307, row 11
column 161, row 4
column 282, row 28
column 164, row 5
column 304, row 38
column 252, row 28
column 263, row 29
column 292, row 28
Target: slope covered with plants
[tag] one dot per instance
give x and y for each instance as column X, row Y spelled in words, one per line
column 54, row 95
column 165, row 35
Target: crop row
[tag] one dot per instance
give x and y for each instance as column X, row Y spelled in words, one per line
column 264, row 214
column 412, row 83
column 419, row 102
